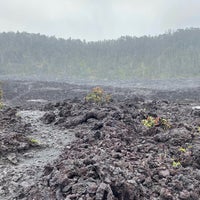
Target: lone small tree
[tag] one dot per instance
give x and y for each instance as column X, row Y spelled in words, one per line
column 98, row 96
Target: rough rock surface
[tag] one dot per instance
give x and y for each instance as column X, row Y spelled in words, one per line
column 115, row 157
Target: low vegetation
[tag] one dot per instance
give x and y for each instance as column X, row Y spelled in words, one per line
column 176, row 164
column 156, row 121
column 98, row 96
column 34, row 141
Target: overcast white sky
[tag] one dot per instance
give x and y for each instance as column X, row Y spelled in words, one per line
column 98, row 19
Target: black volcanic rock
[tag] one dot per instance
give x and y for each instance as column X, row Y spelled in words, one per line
column 114, row 156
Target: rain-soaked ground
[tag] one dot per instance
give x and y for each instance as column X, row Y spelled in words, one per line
column 55, row 145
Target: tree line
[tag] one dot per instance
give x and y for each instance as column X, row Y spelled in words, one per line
column 170, row 55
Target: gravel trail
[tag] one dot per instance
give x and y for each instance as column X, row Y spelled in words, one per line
column 24, row 170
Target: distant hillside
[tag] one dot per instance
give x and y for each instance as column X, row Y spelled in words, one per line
column 171, row 55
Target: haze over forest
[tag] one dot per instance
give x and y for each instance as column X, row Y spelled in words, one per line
column 170, row 55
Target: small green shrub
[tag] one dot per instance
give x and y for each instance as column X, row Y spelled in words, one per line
column 98, row 96
column 150, row 122
column 164, row 123
column 186, row 149
column 176, row 164
column 183, row 150
column 34, row 141
column 158, row 121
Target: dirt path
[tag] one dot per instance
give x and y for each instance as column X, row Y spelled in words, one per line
column 14, row 179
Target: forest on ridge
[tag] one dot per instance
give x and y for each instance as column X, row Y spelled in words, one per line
column 170, row 55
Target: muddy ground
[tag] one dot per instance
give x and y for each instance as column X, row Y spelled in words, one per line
column 55, row 145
